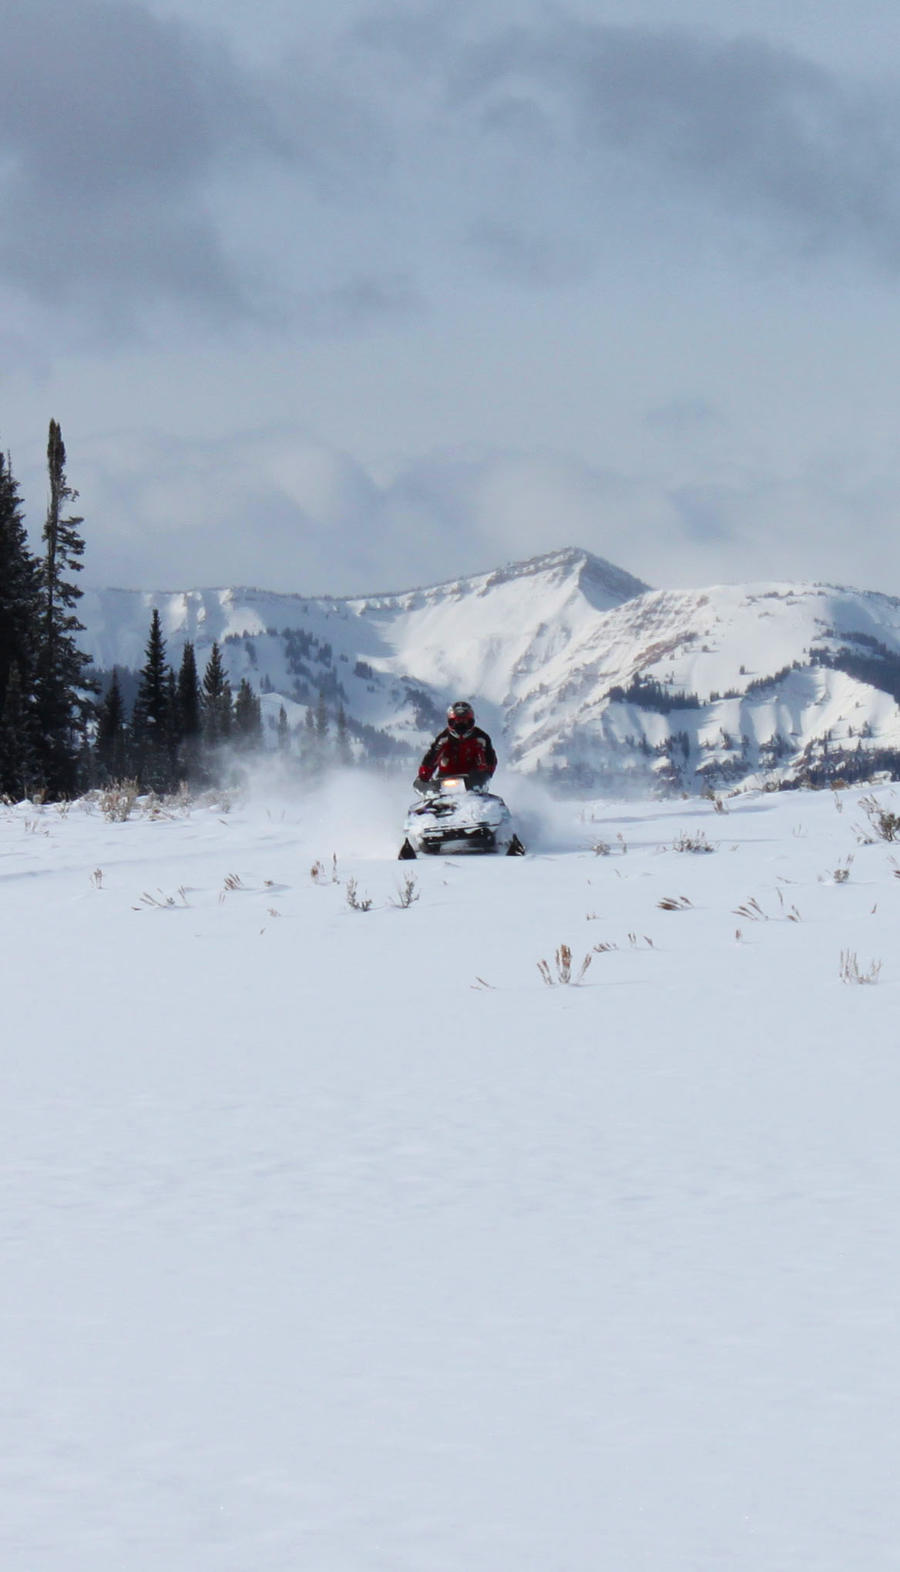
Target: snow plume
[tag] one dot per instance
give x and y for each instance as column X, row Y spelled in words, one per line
column 358, row 812
column 546, row 823
column 342, row 812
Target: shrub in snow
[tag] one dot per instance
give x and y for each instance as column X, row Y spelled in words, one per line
column 885, row 826
column 407, row 893
column 563, row 967
column 692, row 843
column 356, row 902
column 850, row 972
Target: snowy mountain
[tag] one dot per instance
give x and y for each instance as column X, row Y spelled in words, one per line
column 577, row 668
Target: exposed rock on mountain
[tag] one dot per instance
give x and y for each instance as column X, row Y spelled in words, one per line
column 579, row 669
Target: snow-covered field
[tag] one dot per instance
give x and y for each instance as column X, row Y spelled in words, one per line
column 338, row 1240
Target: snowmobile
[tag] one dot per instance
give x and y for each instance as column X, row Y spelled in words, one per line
column 456, row 815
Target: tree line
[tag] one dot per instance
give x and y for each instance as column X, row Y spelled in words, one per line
column 179, row 722
column 57, row 736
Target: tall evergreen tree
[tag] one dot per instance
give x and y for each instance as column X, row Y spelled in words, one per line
column 284, row 730
column 62, row 687
column 344, row 750
column 112, row 734
column 19, row 768
column 173, row 726
column 310, row 751
column 151, row 723
column 216, row 700
column 189, row 716
column 247, row 717
column 19, row 624
column 19, row 585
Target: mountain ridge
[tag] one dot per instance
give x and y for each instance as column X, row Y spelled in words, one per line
column 579, row 668
column 593, row 566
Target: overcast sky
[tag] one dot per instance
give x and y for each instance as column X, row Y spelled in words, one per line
column 337, row 296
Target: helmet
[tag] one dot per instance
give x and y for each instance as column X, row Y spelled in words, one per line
column 460, row 717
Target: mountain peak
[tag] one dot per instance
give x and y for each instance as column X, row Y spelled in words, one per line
column 601, row 582
column 574, row 665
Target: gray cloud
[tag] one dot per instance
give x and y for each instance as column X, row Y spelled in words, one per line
column 282, row 510
column 523, row 256
column 143, row 165
column 682, row 416
column 702, row 511
column 751, row 128
column 99, row 98
column 110, row 123
column 360, row 302
column 137, row 156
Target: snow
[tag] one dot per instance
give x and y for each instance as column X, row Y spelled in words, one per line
column 541, row 646
column 337, row 1239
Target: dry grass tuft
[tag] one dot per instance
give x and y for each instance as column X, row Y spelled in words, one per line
column 850, row 972
column 696, row 842
column 883, row 825
column 751, row 911
column 407, row 893
column 563, row 968
column 116, row 800
column 356, row 902
column 161, row 902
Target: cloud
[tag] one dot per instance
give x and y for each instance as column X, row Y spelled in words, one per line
column 702, row 511
column 683, row 416
column 145, row 165
column 360, row 302
column 523, row 255
column 281, row 510
column 137, row 160
column 753, row 126
column 751, row 129
column 111, row 123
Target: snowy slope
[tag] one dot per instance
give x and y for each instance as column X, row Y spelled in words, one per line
column 336, row 1239
column 740, row 667
column 393, row 661
column 576, row 667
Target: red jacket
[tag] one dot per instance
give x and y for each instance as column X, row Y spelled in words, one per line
column 472, row 754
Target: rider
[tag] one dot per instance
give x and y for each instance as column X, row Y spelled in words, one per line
column 462, row 748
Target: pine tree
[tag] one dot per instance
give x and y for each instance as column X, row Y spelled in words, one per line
column 151, row 722
column 112, row 736
column 284, row 731
column 62, row 687
column 247, row 717
column 216, row 700
column 18, row 739
column 190, row 721
column 344, row 750
column 19, row 624
column 173, row 720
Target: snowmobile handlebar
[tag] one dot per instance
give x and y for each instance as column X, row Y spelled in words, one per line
column 473, row 782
